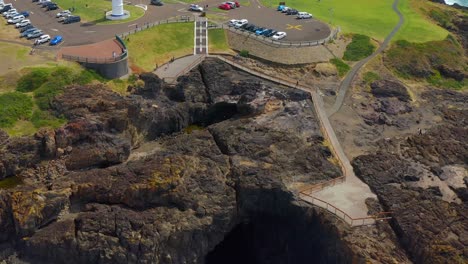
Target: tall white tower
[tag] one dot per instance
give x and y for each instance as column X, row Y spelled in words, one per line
column 117, row 8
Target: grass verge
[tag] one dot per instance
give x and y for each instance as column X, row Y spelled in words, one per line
column 14, row 106
column 159, row 44
column 217, row 40
column 9, row 182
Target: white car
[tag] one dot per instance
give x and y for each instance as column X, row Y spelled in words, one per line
column 303, row 15
column 10, row 12
column 11, row 15
column 15, row 19
column 42, row 39
column 23, row 23
column 232, row 22
column 196, row 8
column 240, row 23
column 42, row 1
column 279, row 35
column 63, row 13
column 62, row 18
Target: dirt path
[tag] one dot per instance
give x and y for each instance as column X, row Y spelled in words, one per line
column 346, row 83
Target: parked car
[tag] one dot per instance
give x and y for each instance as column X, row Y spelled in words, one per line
column 11, row 11
column 42, row 39
column 254, row 29
column 15, row 19
column 280, row 7
column 292, row 12
column 6, row 8
column 157, row 2
column 195, row 8
column 10, row 15
column 303, row 15
column 271, row 34
column 56, row 40
column 240, row 23
column 63, row 13
column 261, row 31
column 247, row 26
column 24, row 13
column 72, row 19
column 34, row 34
column 23, row 23
column 232, row 22
column 28, row 31
column 62, row 18
column 42, row 1
column 224, row 7
column 266, row 32
column 23, row 29
column 233, row 4
column 285, row 9
column 46, row 3
column 52, row 6
column 279, row 35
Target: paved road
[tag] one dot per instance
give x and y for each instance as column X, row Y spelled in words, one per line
column 201, row 36
column 346, row 83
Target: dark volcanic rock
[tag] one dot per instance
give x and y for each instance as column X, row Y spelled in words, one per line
column 387, row 88
column 90, row 194
column 427, row 202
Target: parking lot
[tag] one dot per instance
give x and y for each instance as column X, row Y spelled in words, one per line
column 296, row 29
column 86, row 33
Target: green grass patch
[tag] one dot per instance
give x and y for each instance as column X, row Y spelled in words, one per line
column 217, row 40
column 427, row 60
column 33, row 80
column 159, row 44
column 370, row 17
column 41, row 118
column 341, row 66
column 21, row 128
column 370, row 77
column 14, row 106
column 10, row 182
column 93, row 11
column 359, row 48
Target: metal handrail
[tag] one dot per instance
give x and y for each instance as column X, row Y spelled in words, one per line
column 157, row 23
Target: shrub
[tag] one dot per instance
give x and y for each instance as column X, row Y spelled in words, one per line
column 341, row 66
column 370, row 77
column 33, row 80
column 359, row 48
column 132, row 78
column 244, row 53
column 46, row 119
column 88, row 76
column 44, row 94
column 14, row 106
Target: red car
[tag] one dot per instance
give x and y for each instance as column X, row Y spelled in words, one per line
column 224, row 6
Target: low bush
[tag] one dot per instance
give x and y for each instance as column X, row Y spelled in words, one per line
column 41, row 118
column 33, row 80
column 359, row 48
column 44, row 94
column 87, row 77
column 370, row 77
column 244, row 53
column 14, row 106
column 341, row 66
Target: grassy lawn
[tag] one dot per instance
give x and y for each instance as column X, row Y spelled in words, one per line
column 159, row 44
column 94, row 10
column 217, row 41
column 370, row 17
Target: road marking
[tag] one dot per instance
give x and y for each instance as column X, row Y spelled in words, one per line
column 132, row 25
column 298, row 27
column 54, row 29
column 90, row 31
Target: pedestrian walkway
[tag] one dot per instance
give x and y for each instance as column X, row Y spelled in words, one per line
column 201, row 36
column 173, row 69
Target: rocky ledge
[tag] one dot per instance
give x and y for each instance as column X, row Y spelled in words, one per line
column 166, row 173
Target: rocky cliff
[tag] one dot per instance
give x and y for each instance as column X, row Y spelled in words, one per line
column 164, row 174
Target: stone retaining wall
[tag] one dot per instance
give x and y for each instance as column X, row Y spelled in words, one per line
column 283, row 55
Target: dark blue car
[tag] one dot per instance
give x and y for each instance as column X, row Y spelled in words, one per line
column 24, row 13
column 56, row 40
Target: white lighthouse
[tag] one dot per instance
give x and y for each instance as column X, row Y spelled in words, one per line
column 118, row 11
column 117, row 8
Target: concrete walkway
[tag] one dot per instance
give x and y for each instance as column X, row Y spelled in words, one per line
column 346, row 83
column 171, row 70
column 201, row 36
